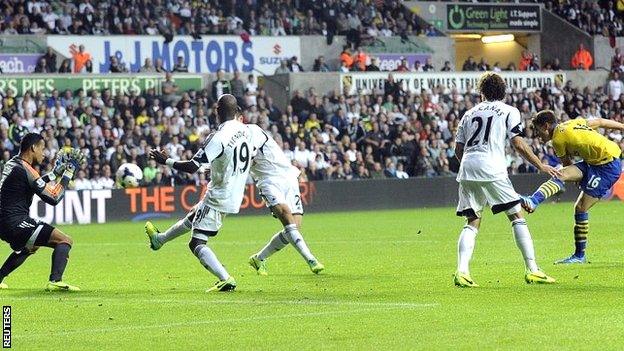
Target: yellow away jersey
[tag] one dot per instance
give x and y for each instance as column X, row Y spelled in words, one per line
column 575, row 138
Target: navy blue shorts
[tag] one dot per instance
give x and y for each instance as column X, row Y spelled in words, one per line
column 25, row 233
column 598, row 180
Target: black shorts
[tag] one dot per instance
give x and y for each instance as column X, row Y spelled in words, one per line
column 25, row 233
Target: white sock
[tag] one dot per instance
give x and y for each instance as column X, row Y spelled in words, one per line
column 209, row 260
column 465, row 248
column 181, row 227
column 296, row 240
column 524, row 243
column 277, row 242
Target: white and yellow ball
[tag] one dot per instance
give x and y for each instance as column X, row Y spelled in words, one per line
column 129, row 175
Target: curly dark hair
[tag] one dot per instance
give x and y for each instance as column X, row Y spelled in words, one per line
column 543, row 117
column 492, row 86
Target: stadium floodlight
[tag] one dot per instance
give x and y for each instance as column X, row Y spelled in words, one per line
column 490, row 39
column 466, row 36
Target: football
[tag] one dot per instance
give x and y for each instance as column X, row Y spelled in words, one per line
column 129, row 175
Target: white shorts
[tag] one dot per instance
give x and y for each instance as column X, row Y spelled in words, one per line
column 282, row 191
column 474, row 196
column 206, row 222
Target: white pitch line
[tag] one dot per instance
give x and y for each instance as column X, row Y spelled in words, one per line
column 69, row 299
column 195, row 323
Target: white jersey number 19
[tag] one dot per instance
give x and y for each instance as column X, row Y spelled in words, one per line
column 242, row 156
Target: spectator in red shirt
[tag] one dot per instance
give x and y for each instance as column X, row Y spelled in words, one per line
column 403, row 67
column 80, row 58
column 346, row 57
column 582, row 59
column 525, row 60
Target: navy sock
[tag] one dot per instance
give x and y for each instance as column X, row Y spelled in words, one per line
column 14, row 260
column 60, row 256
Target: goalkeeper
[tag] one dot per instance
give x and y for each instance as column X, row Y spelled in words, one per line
column 19, row 183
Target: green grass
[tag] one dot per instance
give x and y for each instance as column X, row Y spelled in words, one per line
column 387, row 286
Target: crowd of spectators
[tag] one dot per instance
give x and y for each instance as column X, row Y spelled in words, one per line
column 388, row 134
column 602, row 17
column 594, row 17
column 529, row 61
column 360, row 20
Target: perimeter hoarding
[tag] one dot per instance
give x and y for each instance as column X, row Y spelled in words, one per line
column 140, row 204
column 206, row 55
column 366, row 83
column 18, row 63
column 117, row 83
column 390, row 62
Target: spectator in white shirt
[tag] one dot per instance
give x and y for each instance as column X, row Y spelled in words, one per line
column 615, row 87
column 27, row 105
column 386, row 32
column 302, row 155
column 81, row 182
column 86, row 7
column 352, row 152
column 28, row 122
column 62, row 112
column 50, row 18
column 400, row 173
column 174, row 148
column 251, row 90
column 4, row 123
column 288, row 152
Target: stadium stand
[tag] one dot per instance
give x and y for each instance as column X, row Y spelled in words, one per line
column 360, row 20
column 594, row 17
column 391, row 134
column 335, row 137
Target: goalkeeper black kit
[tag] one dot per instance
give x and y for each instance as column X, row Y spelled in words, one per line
column 19, row 183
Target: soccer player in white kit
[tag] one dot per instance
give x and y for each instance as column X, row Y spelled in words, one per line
column 277, row 180
column 228, row 151
column 481, row 139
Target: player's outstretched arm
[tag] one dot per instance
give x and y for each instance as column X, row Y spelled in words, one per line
column 604, row 123
column 161, row 157
column 525, row 151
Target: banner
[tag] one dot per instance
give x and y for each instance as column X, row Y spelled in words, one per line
column 366, row 83
column 494, row 17
column 206, row 55
column 390, row 62
column 140, row 204
column 121, row 83
column 18, row 63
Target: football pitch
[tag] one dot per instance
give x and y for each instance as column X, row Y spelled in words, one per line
column 387, row 285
